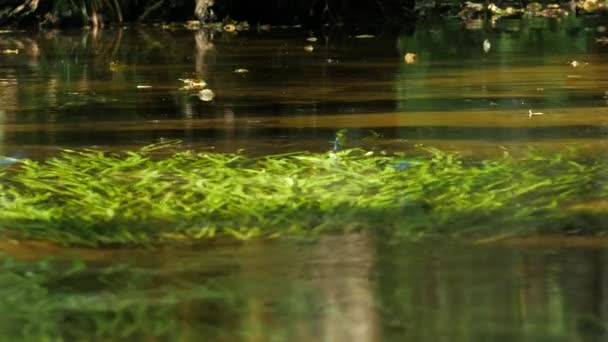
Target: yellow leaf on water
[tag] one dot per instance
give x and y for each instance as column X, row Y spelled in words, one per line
column 230, row 28
column 410, row 58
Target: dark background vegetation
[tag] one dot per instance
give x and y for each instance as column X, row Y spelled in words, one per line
column 80, row 12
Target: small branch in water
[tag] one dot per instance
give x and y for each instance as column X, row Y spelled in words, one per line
column 531, row 113
column 118, row 11
column 381, row 6
column 151, row 9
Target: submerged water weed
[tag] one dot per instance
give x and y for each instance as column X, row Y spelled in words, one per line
column 92, row 197
column 55, row 300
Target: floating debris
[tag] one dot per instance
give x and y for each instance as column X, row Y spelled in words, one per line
column 470, row 9
column 229, row 28
column 410, row 58
column 193, row 24
column 486, row 46
column 576, row 64
column 193, row 84
column 365, row 36
column 116, row 66
column 602, row 40
column 311, row 39
column 591, row 5
column 531, row 113
column 309, row 48
column 206, row 95
column 241, row 71
column 10, row 52
column 142, row 86
column 242, row 26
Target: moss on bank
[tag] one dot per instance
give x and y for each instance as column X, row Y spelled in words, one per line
column 91, row 197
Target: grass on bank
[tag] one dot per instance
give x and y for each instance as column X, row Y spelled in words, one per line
column 91, row 197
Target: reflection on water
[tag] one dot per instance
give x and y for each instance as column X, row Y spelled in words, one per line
column 340, row 288
column 81, row 88
column 67, row 89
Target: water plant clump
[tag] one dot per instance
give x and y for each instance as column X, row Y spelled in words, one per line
column 92, row 197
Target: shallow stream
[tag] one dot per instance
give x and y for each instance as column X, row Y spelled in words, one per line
column 541, row 84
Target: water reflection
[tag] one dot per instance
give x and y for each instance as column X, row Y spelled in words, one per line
column 81, row 88
column 339, row 288
column 68, row 89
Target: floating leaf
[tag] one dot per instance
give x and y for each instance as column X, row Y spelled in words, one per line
column 193, row 84
column 229, row 28
column 486, row 46
column 206, row 95
column 410, row 58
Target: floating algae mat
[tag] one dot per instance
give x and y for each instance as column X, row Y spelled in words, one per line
column 92, row 197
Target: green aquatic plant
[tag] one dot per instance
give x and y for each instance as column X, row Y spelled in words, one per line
column 92, row 197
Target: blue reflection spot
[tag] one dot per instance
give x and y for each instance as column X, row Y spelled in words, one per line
column 401, row 165
column 8, row 161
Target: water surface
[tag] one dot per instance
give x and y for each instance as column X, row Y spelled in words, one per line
column 341, row 288
column 68, row 89
column 80, row 90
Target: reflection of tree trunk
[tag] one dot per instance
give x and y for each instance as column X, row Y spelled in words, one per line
column 8, row 98
column 202, row 45
column 117, row 43
column 342, row 276
column 326, row 295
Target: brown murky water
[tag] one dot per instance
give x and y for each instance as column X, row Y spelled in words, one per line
column 62, row 90
column 339, row 288
column 66, row 89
